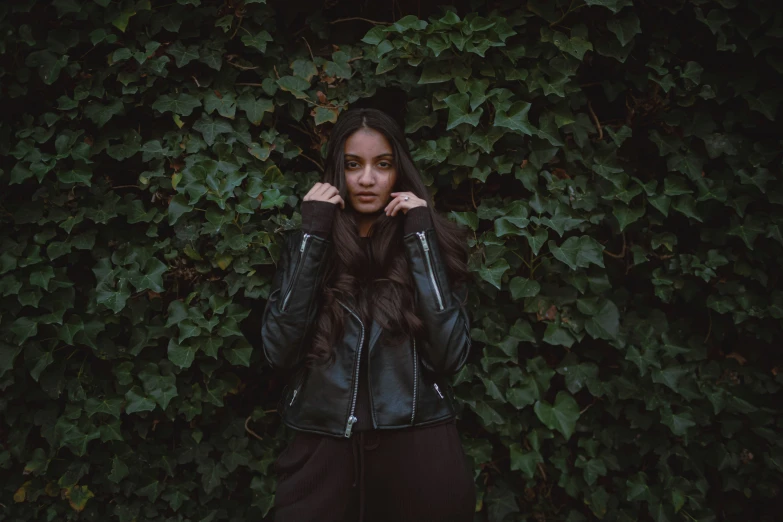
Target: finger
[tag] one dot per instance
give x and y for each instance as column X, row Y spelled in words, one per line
column 389, row 205
column 313, row 191
column 402, row 205
column 394, row 207
column 412, row 198
column 400, row 202
column 323, row 190
column 337, row 200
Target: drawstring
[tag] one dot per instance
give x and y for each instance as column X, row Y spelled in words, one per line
column 358, row 462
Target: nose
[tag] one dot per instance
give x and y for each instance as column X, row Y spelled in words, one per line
column 366, row 178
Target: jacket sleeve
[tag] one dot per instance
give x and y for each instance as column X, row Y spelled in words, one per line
column 291, row 309
column 445, row 318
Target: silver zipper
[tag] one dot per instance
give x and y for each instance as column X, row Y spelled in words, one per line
column 294, row 397
column 437, row 389
column 415, row 378
column 426, row 246
column 296, row 271
column 351, row 418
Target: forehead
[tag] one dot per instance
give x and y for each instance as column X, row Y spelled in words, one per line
column 367, row 142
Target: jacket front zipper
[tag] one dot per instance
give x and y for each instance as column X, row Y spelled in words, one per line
column 435, row 384
column 430, row 271
column 294, row 397
column 415, row 379
column 296, row 272
column 351, row 418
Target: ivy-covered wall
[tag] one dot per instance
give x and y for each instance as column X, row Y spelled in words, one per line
column 617, row 160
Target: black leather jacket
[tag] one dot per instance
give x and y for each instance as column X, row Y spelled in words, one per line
column 408, row 384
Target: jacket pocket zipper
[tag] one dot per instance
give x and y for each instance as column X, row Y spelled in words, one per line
column 296, row 272
column 415, row 379
column 430, row 271
column 435, row 384
column 299, row 382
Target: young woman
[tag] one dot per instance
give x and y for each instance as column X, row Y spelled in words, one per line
column 367, row 312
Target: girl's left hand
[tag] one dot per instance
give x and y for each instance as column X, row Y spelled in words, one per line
column 399, row 203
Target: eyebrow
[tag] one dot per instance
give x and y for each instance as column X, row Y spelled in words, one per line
column 376, row 157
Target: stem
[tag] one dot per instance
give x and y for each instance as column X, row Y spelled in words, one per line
column 237, row 28
column 359, row 18
column 253, row 433
column 568, row 12
column 595, row 119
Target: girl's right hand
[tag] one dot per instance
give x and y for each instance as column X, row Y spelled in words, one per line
column 325, row 192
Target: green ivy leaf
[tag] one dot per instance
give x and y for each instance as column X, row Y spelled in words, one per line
column 521, row 287
column 524, row 461
column 78, row 497
column 748, row 231
column 516, row 119
column 677, row 422
column 257, row 41
column 23, row 328
column 48, row 64
column 562, row 416
column 212, row 474
column 254, row 108
column 211, row 129
column 613, row 5
column 494, row 273
column 225, row 104
column 183, row 55
column 138, row 402
column 151, row 277
column 182, row 104
column 101, row 114
column 162, row 388
column 295, row 85
column 556, row 335
column 119, row 470
column 625, row 27
column 459, row 112
column 578, row 252
column 576, row 46
column 605, row 322
column 180, row 355
column 111, row 406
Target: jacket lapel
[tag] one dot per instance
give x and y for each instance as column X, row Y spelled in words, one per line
column 375, row 328
column 375, row 332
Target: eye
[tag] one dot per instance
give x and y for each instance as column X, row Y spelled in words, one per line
column 385, row 164
column 351, row 165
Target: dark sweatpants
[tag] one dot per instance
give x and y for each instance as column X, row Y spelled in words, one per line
column 415, row 474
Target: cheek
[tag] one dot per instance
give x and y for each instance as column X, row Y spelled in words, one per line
column 390, row 182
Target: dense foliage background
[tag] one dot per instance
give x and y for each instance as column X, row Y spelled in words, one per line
column 617, row 160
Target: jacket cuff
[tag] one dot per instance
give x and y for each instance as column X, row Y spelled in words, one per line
column 417, row 219
column 317, row 217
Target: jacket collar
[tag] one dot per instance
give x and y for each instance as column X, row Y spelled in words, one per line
column 374, row 330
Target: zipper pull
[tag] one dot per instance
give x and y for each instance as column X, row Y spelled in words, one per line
column 304, row 241
column 351, row 421
column 423, row 241
column 294, row 397
column 437, row 389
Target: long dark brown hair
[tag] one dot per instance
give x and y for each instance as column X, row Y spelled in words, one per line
column 378, row 286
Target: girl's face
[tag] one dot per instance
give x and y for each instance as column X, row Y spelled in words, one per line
column 370, row 172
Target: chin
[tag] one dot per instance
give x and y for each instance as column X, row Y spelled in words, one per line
column 367, row 208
